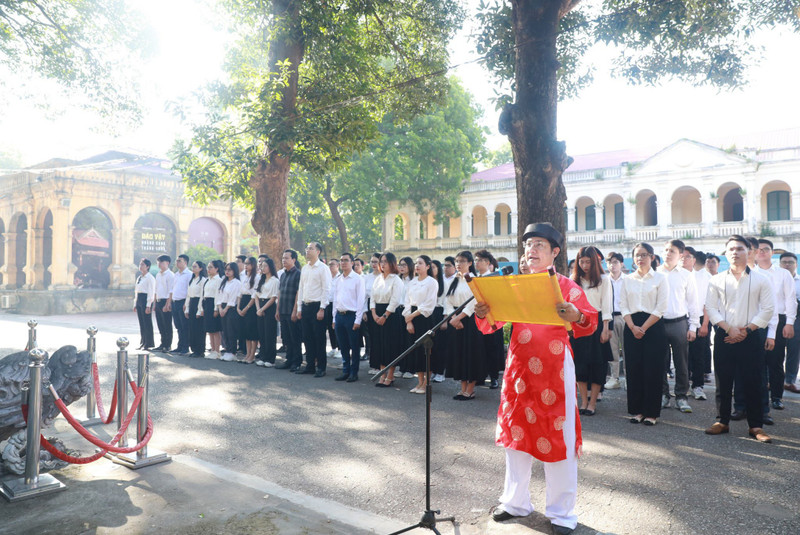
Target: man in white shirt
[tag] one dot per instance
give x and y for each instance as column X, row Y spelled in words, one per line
column 615, row 262
column 694, row 261
column 164, row 282
column 369, row 280
column 242, row 342
column 681, row 321
column 348, row 311
column 789, row 263
column 781, row 327
column 740, row 304
column 180, row 288
column 333, row 265
column 312, row 298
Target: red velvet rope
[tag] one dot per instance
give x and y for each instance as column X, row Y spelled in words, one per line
column 106, row 418
column 55, row 452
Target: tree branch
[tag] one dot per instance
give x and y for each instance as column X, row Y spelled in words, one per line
column 567, row 6
column 60, row 29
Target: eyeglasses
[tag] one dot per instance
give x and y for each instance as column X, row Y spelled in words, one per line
column 538, row 245
column 764, row 250
column 642, row 255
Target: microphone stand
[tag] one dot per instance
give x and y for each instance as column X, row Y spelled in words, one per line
column 428, row 520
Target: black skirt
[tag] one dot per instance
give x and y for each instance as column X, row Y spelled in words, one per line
column 439, row 353
column 248, row 326
column 211, row 324
column 415, row 361
column 467, row 355
column 590, row 356
column 389, row 340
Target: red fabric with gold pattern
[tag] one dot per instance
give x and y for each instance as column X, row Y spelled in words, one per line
column 532, row 403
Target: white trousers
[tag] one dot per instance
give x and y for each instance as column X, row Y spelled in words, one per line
column 561, row 478
column 617, row 333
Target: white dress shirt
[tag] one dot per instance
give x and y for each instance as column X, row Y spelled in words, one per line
column 246, row 289
column 616, row 291
column 682, row 295
column 334, row 282
column 599, row 296
column 145, row 284
column 269, row 289
column 229, row 293
column 461, row 293
column 796, row 286
column 181, row 284
column 164, row 282
column 784, row 293
column 388, row 291
column 315, row 283
column 211, row 288
column 349, row 296
column 740, row 303
column 701, row 279
column 369, row 280
column 421, row 294
column 648, row 294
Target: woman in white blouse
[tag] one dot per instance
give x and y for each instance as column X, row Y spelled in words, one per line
column 385, row 309
column 405, row 270
column 420, row 301
column 267, row 295
column 643, row 301
column 468, row 364
column 192, row 309
column 143, row 296
column 211, row 320
column 227, row 296
column 246, row 308
column 591, row 352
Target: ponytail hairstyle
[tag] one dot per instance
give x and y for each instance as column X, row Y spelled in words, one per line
column 272, row 273
column 466, row 255
column 439, row 277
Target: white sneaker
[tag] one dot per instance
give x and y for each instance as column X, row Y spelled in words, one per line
column 337, row 354
column 260, row 363
column 683, row 405
column 612, row 384
column 267, row 364
column 698, row 393
column 665, row 402
column 331, row 353
column 212, row 355
column 373, row 371
column 438, row 378
column 227, row 357
column 408, row 375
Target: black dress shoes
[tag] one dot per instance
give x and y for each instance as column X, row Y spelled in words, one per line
column 352, row 379
column 494, row 385
column 767, row 419
column 777, row 404
column 560, row 530
column 343, row 377
column 319, row 373
column 305, row 371
column 738, row 415
column 500, row 515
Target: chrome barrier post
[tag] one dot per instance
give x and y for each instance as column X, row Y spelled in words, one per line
column 31, row 335
column 32, row 484
column 145, row 456
column 91, row 405
column 122, row 393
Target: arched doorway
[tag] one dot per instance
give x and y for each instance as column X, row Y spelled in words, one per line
column 208, row 232
column 21, row 249
column 480, row 221
column 154, row 234
column 91, row 248
column 646, row 209
column 686, row 207
column 731, row 207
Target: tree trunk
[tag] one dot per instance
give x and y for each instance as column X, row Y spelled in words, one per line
column 539, row 158
column 333, row 206
column 270, row 179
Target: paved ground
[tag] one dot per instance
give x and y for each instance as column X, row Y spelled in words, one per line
column 257, row 449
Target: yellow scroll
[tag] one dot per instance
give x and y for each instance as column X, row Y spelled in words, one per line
column 529, row 298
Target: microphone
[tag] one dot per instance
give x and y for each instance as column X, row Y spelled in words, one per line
column 506, row 270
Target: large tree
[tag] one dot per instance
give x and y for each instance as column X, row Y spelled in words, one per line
column 307, row 84
column 425, row 162
column 537, row 46
column 84, row 45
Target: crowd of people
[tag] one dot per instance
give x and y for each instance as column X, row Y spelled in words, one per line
column 630, row 328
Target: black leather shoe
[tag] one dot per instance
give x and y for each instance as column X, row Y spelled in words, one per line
column 282, row 366
column 778, row 404
column 767, row 419
column 320, row 373
column 560, row 530
column 343, row 377
column 352, row 379
column 738, row 415
column 294, row 369
column 499, row 515
column 494, row 384
column 305, row 371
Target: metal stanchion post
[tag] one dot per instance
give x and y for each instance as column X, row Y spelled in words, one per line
column 91, row 405
column 122, row 392
column 31, row 335
column 32, row 484
column 145, row 456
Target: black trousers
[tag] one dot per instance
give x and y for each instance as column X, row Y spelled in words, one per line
column 181, row 324
column 314, row 336
column 645, row 367
column 775, row 359
column 197, row 334
column 329, row 326
column 747, row 360
column 145, row 321
column 267, row 333
column 292, row 336
column 164, row 322
column 230, row 329
column 697, row 357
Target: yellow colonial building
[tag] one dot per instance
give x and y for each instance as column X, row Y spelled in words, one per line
column 72, row 232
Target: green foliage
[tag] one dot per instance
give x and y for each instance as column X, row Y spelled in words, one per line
column 767, row 230
column 359, row 59
column 499, row 156
column 249, row 242
column 203, row 253
column 85, row 45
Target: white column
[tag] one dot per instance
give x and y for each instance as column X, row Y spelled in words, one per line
column 708, row 214
column 490, row 224
column 413, row 231
column 746, row 211
column 571, row 220
column 514, row 224
column 795, row 206
column 629, row 214
column 664, row 215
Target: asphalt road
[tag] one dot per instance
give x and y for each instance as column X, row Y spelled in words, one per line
column 364, row 447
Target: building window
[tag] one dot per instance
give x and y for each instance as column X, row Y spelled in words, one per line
column 446, row 227
column 619, row 216
column 777, row 206
column 508, row 224
column 591, row 223
column 399, row 228
column 421, row 229
column 497, row 221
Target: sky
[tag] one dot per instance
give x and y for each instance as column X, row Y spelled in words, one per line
column 608, row 115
